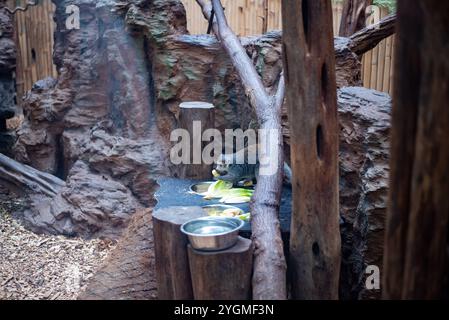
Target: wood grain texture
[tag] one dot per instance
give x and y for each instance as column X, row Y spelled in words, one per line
column 416, row 258
column 202, row 115
column 27, row 179
column 222, row 275
column 368, row 38
column 309, row 64
column 172, row 263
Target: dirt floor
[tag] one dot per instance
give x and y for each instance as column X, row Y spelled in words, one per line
column 43, row 267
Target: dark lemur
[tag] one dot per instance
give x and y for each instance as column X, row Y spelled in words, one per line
column 227, row 169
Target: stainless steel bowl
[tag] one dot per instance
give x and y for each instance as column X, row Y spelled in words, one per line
column 200, row 187
column 212, row 233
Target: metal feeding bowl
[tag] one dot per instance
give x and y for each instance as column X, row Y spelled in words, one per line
column 212, row 233
column 200, row 187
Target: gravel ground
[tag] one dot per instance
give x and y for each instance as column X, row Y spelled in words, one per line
column 43, row 267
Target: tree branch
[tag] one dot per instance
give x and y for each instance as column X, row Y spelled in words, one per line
column 280, row 94
column 254, row 87
column 25, row 177
column 369, row 37
column 206, row 8
column 269, row 278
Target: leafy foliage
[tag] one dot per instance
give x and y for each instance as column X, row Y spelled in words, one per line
column 390, row 4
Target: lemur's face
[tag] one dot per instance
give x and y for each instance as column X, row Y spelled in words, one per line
column 222, row 165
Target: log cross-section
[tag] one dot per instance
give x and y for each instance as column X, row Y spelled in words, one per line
column 309, row 66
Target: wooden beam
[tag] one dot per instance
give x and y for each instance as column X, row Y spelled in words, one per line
column 416, row 257
column 309, row 65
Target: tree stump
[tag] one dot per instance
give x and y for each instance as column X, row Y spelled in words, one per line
column 222, row 275
column 196, row 117
column 172, row 264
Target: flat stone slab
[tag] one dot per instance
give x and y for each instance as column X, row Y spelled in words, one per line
column 176, row 192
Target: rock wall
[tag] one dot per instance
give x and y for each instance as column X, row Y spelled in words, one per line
column 109, row 114
column 364, row 117
column 133, row 63
column 7, row 84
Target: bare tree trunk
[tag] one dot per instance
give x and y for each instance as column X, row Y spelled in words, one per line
column 309, row 64
column 353, row 16
column 416, row 258
column 269, row 279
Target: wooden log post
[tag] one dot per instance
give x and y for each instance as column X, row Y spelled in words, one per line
column 223, row 275
column 416, row 256
column 196, row 117
column 172, row 263
column 309, row 66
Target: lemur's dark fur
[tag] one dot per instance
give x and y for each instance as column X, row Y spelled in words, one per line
column 228, row 169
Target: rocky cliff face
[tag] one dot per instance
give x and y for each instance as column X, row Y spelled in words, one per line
column 132, row 63
column 7, row 86
column 111, row 110
column 364, row 117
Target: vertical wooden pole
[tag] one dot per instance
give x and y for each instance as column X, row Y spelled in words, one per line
column 309, row 64
column 416, row 256
column 170, row 246
column 196, row 117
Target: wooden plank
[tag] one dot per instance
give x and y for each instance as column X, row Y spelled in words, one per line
column 374, row 67
column 367, row 69
column 381, row 66
column 393, row 62
column 381, row 58
column 387, row 69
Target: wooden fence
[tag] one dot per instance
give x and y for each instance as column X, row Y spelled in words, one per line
column 249, row 17
column 34, row 38
column 35, row 27
column 378, row 64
